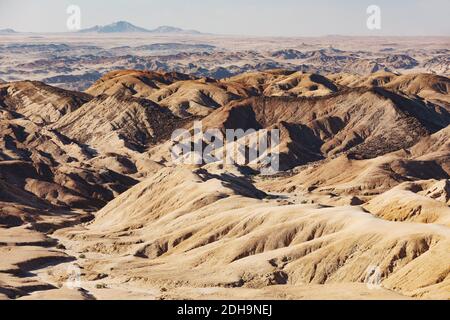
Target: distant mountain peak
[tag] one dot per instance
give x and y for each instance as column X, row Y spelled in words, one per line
column 126, row 27
column 167, row 29
column 116, row 27
column 170, row 29
column 4, row 31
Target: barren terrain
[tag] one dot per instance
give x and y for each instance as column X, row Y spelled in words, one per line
column 89, row 194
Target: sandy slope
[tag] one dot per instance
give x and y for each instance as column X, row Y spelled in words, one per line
column 212, row 235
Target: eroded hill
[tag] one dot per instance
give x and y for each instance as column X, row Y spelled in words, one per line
column 87, row 182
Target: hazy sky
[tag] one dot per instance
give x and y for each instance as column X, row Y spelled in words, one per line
column 246, row 17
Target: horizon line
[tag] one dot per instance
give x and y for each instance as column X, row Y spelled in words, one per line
column 197, row 32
